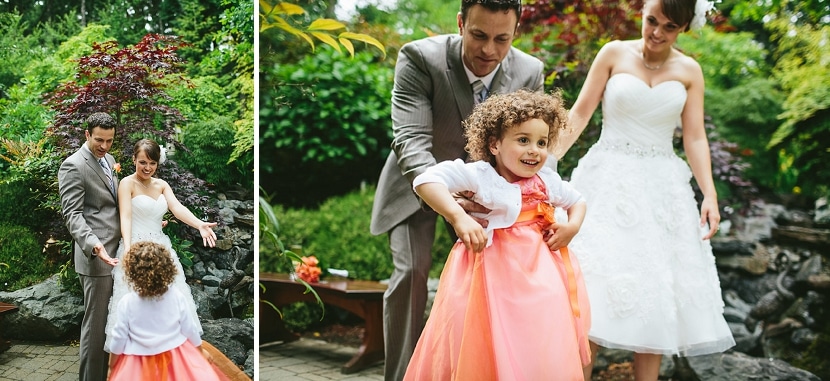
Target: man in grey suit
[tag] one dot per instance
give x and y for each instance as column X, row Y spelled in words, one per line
column 435, row 88
column 88, row 188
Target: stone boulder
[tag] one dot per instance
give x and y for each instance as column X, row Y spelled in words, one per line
column 44, row 312
column 234, row 337
column 738, row 366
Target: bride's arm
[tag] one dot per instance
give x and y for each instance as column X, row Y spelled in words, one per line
column 186, row 216
column 589, row 97
column 125, row 210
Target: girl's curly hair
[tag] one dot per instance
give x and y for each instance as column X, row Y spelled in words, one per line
column 492, row 118
column 149, row 268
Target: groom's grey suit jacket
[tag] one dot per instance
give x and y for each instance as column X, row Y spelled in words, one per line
column 429, row 102
column 90, row 210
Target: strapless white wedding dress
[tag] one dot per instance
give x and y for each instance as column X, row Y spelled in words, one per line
column 147, row 215
column 651, row 279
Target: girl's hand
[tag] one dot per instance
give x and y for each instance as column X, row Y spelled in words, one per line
column 470, row 233
column 208, row 236
column 710, row 213
column 559, row 235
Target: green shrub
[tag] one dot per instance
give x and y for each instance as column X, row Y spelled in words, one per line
column 17, row 196
column 211, row 143
column 337, row 233
column 20, row 250
column 325, row 126
column 68, row 279
column 31, row 184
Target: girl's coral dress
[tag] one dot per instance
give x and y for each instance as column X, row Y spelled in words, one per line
column 516, row 311
column 185, row 362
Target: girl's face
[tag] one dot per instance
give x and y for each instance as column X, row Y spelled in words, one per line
column 659, row 33
column 144, row 166
column 522, row 151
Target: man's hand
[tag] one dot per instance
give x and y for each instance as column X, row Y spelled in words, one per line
column 101, row 252
column 465, row 200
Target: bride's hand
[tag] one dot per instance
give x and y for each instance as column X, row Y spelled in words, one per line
column 208, row 236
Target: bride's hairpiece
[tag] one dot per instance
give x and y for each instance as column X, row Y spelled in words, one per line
column 702, row 8
column 162, row 154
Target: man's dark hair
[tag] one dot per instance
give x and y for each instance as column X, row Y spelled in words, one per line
column 493, row 5
column 100, row 119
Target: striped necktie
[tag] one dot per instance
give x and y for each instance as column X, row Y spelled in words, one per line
column 107, row 172
column 479, row 91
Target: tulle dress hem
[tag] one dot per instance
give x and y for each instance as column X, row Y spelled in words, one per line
column 184, row 362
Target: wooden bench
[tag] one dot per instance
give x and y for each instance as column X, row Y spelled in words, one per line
column 362, row 298
column 4, row 309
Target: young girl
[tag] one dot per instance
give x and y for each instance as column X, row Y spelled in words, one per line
column 508, row 307
column 153, row 336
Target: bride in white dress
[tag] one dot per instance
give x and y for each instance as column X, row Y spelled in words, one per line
column 142, row 201
column 644, row 246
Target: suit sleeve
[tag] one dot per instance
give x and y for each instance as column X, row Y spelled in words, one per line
column 412, row 122
column 71, row 188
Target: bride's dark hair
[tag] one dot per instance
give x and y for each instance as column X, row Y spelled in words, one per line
column 150, row 148
column 680, row 12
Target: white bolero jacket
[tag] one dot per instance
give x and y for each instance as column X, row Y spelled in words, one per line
column 504, row 199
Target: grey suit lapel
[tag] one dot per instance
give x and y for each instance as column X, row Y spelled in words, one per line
column 92, row 161
column 501, row 80
column 457, row 78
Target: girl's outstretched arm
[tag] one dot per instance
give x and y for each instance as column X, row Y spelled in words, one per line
column 439, row 198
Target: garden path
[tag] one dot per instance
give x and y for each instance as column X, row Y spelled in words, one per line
column 39, row 361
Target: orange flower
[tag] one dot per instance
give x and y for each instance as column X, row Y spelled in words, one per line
column 117, row 167
column 307, row 270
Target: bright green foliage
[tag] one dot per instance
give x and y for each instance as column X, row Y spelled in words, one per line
column 277, row 15
column 14, row 53
column 728, row 60
column 736, row 74
column 22, row 115
column 325, row 128
column 233, row 65
column 802, row 11
column 203, row 101
column 803, row 139
column 414, row 19
column 20, row 250
column 210, row 143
